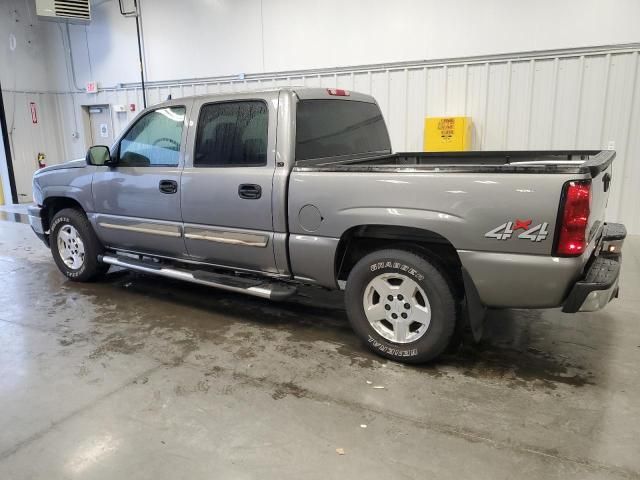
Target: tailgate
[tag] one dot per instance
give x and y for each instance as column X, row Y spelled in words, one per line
column 600, row 188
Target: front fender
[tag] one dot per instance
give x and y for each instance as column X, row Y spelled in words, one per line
column 73, row 183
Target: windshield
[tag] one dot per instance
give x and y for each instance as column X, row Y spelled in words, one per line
column 331, row 128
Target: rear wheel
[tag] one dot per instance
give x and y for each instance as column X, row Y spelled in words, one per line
column 75, row 246
column 401, row 305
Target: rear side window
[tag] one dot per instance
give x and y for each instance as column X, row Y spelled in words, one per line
column 330, row 128
column 232, row 134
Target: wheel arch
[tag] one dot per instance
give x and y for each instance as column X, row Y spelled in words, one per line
column 360, row 240
column 52, row 205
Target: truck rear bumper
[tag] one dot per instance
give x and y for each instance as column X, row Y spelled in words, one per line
column 599, row 287
column 600, row 282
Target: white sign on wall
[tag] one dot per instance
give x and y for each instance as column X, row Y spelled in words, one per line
column 104, row 130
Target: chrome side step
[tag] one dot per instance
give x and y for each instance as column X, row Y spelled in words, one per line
column 232, row 283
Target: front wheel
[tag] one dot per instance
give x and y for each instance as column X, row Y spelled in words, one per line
column 75, row 246
column 401, row 306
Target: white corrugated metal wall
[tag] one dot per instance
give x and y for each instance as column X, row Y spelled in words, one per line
column 587, row 98
column 28, row 138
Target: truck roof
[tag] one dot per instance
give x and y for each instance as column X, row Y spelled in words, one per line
column 302, row 92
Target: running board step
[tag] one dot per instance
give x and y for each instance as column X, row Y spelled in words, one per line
column 232, row 283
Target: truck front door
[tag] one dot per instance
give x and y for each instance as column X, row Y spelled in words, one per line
column 227, row 183
column 137, row 200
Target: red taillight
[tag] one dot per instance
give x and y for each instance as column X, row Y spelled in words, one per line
column 572, row 235
column 338, row 92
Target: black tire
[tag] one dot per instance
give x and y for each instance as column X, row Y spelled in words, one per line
column 441, row 327
column 90, row 268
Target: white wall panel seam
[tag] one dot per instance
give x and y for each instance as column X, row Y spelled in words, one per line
column 606, row 96
column 580, row 90
column 532, row 84
column 466, row 86
column 406, row 106
column 554, row 99
column 634, row 221
column 505, row 136
column 487, row 77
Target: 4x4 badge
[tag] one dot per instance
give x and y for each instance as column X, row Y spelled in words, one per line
column 536, row 233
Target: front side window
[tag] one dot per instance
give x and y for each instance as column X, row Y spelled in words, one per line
column 232, row 134
column 154, row 140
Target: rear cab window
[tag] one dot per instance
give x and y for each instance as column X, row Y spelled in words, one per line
column 337, row 128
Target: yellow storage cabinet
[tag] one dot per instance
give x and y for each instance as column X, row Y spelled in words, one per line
column 447, row 134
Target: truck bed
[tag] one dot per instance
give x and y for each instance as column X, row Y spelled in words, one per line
column 551, row 161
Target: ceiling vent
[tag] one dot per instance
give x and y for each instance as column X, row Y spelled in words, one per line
column 72, row 11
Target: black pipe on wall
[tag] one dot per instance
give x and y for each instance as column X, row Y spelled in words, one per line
column 136, row 13
column 144, row 93
column 7, row 150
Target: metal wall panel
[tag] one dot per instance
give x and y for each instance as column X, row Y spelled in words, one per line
column 27, row 138
column 586, row 98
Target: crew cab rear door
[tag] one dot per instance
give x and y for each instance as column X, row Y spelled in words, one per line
column 227, row 182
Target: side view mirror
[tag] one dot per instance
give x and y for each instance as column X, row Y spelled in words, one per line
column 98, row 155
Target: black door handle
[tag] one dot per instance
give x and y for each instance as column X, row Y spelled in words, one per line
column 168, row 186
column 250, row 191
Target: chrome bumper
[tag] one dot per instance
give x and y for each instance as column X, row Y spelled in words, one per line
column 35, row 220
column 600, row 282
column 36, row 224
column 598, row 299
column 597, row 288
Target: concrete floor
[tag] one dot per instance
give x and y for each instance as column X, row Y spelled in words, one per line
column 140, row 377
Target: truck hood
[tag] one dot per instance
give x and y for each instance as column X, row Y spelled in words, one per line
column 79, row 163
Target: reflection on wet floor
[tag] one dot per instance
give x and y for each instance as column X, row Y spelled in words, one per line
column 14, row 217
column 505, row 353
column 15, row 213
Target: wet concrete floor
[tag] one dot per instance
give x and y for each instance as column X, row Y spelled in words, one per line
column 141, row 377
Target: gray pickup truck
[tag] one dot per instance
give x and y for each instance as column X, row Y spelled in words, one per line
column 259, row 192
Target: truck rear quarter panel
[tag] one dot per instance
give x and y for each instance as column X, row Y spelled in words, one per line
column 461, row 207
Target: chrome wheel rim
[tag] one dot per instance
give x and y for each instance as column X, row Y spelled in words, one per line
column 397, row 307
column 70, row 247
